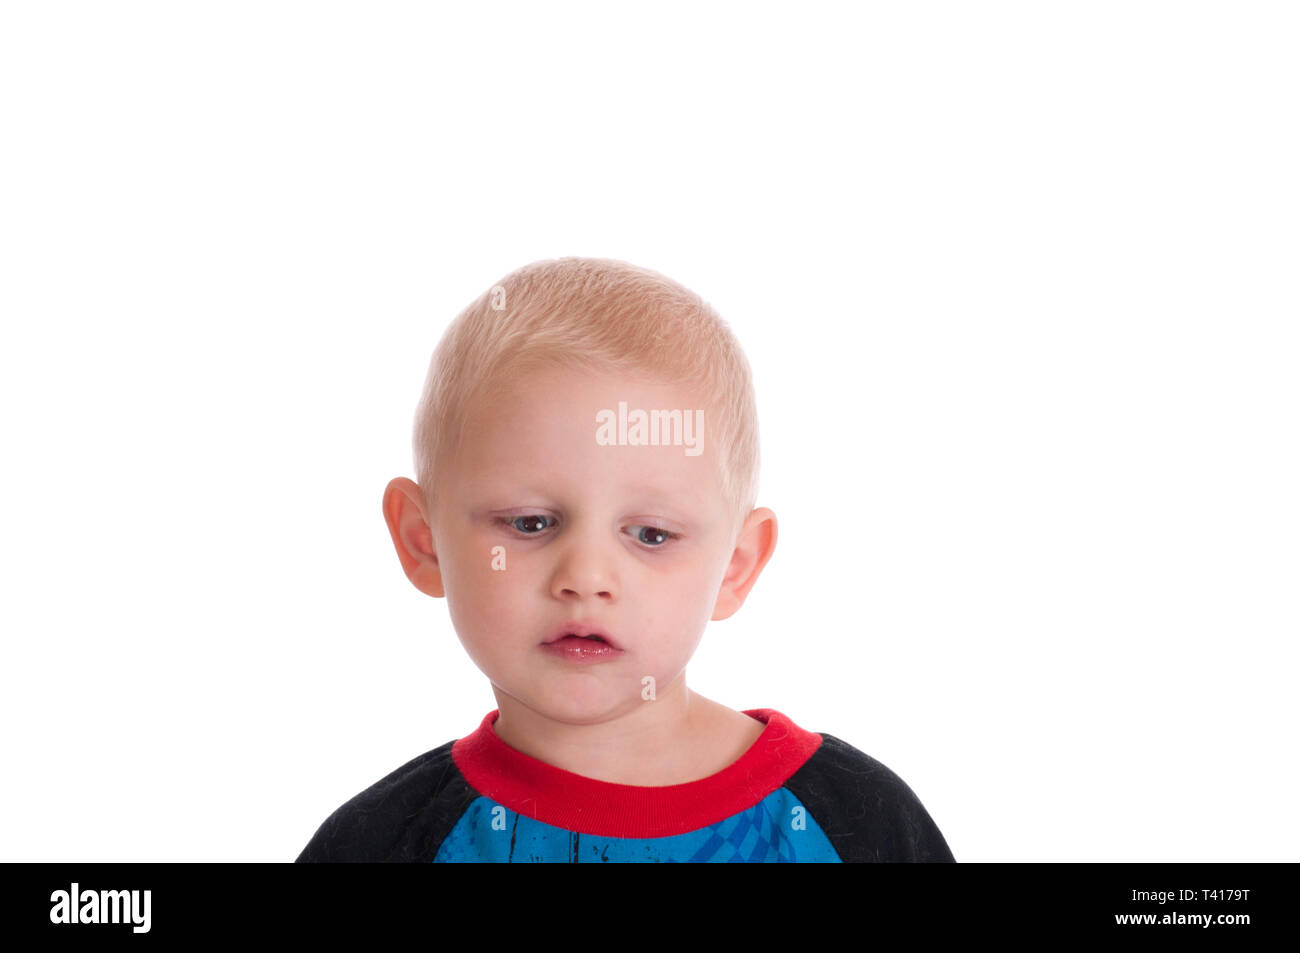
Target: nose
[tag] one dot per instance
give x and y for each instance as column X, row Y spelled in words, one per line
column 585, row 567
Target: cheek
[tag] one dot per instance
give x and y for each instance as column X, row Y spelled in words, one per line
column 694, row 585
column 478, row 566
column 495, row 586
column 476, row 592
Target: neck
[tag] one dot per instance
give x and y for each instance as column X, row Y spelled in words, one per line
column 671, row 740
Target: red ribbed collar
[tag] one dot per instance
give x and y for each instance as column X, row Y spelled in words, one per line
column 573, row 802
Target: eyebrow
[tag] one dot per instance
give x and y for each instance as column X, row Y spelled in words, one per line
column 672, row 505
column 653, row 493
column 662, row 497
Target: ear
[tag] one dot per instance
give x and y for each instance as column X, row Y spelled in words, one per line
column 408, row 524
column 754, row 547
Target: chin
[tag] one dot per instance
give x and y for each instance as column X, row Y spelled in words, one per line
column 577, row 704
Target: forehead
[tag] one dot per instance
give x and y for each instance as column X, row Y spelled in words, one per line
column 542, row 427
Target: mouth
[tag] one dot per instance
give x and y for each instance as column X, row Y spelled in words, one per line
column 581, row 633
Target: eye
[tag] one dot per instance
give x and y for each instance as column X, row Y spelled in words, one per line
column 518, row 523
column 534, row 524
column 657, row 536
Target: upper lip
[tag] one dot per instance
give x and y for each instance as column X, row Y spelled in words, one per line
column 580, row 628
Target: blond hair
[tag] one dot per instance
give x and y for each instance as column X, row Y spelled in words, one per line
column 602, row 315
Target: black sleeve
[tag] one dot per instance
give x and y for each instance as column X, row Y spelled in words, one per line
column 402, row 818
column 867, row 811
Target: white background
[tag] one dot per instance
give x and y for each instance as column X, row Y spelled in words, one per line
column 1018, row 282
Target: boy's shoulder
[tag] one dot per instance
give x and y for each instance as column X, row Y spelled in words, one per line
column 867, row 811
column 399, row 817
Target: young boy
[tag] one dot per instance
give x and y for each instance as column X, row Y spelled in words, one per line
column 587, row 454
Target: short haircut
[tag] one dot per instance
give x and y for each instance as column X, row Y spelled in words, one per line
column 602, row 315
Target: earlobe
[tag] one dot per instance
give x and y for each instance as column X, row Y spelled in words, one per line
column 408, row 526
column 754, row 547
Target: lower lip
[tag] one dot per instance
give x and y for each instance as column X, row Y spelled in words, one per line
column 573, row 649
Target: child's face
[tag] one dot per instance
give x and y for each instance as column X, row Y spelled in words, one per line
column 588, row 551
